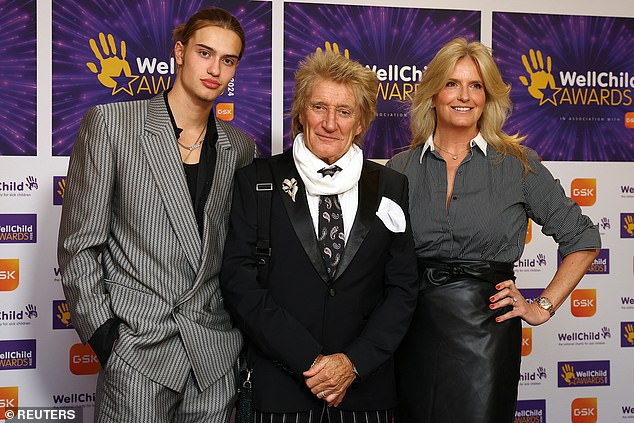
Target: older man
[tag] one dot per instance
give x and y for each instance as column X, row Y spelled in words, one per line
column 342, row 275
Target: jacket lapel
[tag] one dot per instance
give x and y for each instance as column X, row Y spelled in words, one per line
column 159, row 144
column 220, row 194
column 298, row 211
column 366, row 210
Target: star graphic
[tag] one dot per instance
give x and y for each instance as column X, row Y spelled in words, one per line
column 124, row 83
column 549, row 95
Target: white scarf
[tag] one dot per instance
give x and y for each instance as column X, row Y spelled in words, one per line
column 308, row 165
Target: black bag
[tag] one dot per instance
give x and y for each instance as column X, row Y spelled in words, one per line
column 244, row 403
column 245, row 412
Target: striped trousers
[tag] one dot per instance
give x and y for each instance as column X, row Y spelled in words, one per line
column 326, row 414
column 126, row 396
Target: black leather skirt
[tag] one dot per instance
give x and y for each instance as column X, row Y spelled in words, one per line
column 456, row 363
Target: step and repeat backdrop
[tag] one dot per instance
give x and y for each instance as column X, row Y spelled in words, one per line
column 572, row 77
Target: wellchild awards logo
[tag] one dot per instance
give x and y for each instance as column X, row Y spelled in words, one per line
column 143, row 75
column 572, row 87
column 627, row 334
column 530, row 411
column 17, row 354
column 583, row 373
column 59, row 188
column 18, row 228
column 61, row 315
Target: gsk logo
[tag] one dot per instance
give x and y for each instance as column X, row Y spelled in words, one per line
column 527, row 341
column 584, row 191
column 584, row 410
column 82, row 360
column 59, row 188
column 529, row 232
column 8, row 401
column 583, row 302
column 225, row 111
column 629, row 120
column 9, row 274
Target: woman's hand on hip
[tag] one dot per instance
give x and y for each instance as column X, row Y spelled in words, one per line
column 509, row 296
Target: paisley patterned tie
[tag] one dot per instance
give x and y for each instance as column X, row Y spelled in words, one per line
column 331, row 235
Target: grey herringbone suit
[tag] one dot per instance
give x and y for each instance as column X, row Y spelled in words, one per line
column 129, row 245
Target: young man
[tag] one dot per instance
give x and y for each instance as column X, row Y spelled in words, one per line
column 142, row 232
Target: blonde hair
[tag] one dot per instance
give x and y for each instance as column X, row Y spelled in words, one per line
column 497, row 107
column 331, row 66
column 213, row 16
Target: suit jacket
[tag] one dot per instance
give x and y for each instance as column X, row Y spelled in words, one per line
column 299, row 313
column 129, row 245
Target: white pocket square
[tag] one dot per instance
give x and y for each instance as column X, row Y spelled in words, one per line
column 391, row 214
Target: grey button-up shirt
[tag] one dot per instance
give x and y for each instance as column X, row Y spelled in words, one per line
column 491, row 202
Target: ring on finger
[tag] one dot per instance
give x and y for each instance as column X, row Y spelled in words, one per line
column 514, row 301
column 323, row 394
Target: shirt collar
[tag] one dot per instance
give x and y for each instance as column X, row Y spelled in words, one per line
column 478, row 141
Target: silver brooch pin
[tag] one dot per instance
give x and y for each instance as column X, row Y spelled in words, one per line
column 290, row 187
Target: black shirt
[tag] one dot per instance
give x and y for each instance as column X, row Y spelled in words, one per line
column 200, row 175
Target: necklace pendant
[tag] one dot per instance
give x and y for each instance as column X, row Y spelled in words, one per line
column 454, row 157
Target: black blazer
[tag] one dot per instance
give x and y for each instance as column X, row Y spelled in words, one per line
column 299, row 313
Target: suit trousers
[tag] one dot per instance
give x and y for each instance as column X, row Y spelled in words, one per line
column 126, row 396
column 324, row 414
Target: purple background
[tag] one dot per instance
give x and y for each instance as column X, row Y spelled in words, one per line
column 379, row 36
column 57, row 198
column 146, row 27
column 18, row 78
column 533, row 405
column 582, row 366
column 604, row 253
column 624, row 342
column 531, row 293
column 624, row 233
column 598, row 44
column 20, row 219
column 20, row 346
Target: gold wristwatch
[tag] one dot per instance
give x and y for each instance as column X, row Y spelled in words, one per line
column 545, row 303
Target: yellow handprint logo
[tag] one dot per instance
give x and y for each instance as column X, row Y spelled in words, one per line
column 61, row 187
column 629, row 333
column 568, row 373
column 629, row 224
column 540, row 79
column 64, row 314
column 334, row 48
column 113, row 71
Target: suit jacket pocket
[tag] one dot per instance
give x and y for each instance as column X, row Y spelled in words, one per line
column 138, row 288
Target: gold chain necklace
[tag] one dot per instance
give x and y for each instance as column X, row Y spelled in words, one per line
column 194, row 146
column 453, row 155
